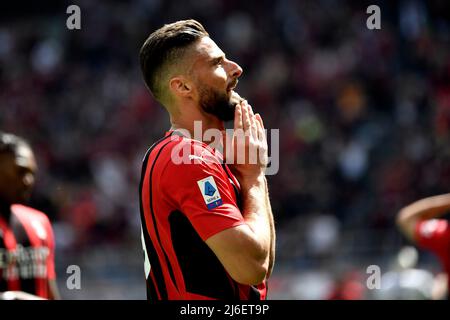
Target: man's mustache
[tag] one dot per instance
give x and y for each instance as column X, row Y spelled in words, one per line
column 233, row 84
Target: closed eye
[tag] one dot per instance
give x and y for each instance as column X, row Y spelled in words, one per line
column 217, row 61
column 22, row 171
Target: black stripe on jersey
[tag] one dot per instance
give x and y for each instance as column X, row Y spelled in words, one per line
column 151, row 289
column 21, row 235
column 150, row 194
column 254, row 294
column 151, row 252
column 154, row 265
column 202, row 271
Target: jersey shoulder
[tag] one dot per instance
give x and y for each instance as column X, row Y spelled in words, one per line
column 29, row 213
column 180, row 151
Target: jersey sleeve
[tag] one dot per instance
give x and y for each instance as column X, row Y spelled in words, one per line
column 201, row 190
column 433, row 235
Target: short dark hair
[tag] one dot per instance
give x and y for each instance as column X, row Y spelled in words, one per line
column 10, row 143
column 164, row 47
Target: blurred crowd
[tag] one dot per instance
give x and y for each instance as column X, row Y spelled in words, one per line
column 364, row 120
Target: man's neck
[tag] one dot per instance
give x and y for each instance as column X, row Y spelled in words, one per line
column 196, row 125
column 5, row 210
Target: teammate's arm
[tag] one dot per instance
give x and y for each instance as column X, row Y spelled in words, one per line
column 247, row 251
column 428, row 208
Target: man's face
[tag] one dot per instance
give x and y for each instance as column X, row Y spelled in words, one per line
column 215, row 78
column 17, row 172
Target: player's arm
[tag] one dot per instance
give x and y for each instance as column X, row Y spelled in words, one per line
column 272, row 233
column 244, row 251
column 428, row 208
column 247, row 251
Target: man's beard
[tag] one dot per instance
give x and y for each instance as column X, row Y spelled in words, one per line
column 218, row 104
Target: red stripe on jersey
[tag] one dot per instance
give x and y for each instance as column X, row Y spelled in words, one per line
column 152, row 276
column 10, row 245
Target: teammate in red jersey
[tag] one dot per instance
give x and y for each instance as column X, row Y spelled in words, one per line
column 207, row 226
column 27, row 268
column 422, row 223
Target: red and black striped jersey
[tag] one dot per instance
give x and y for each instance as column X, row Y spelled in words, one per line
column 26, row 252
column 187, row 194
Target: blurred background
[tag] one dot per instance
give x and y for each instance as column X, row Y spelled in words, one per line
column 364, row 119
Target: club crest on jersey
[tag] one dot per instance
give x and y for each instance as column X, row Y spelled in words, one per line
column 210, row 192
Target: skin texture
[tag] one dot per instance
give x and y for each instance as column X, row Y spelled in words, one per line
column 17, row 178
column 17, row 174
column 205, row 93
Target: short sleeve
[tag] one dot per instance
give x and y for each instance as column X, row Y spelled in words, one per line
column 201, row 190
column 433, row 235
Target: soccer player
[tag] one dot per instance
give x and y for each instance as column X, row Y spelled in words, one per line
column 422, row 223
column 207, row 227
column 27, row 268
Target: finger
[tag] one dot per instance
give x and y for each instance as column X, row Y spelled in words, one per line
column 245, row 117
column 259, row 127
column 238, row 117
column 253, row 128
column 263, row 139
column 260, row 120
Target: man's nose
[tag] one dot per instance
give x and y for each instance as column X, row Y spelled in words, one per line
column 235, row 70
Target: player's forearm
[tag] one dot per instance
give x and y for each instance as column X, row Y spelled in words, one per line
column 257, row 215
column 428, row 208
column 272, row 232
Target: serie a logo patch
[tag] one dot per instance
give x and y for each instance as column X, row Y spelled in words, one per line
column 210, row 192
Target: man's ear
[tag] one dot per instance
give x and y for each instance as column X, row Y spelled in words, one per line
column 180, row 86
